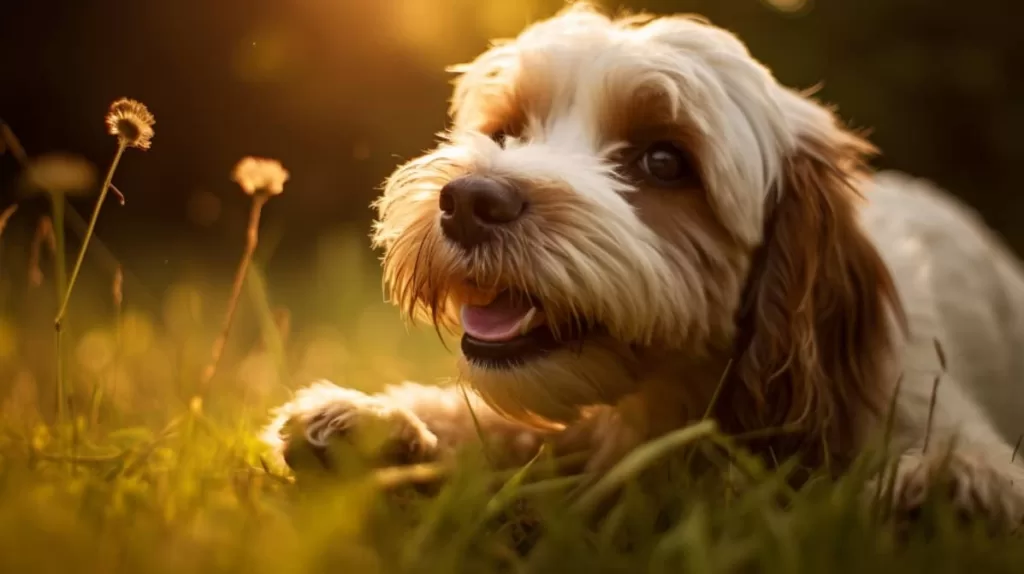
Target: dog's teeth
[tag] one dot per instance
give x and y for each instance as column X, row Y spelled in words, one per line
column 524, row 325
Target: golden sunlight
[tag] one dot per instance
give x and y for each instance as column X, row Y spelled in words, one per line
column 429, row 26
column 788, row 5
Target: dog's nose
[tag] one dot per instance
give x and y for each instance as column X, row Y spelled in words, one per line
column 472, row 206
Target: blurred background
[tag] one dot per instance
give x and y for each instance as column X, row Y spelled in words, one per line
column 341, row 91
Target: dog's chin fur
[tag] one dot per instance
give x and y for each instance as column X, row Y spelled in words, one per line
column 549, row 391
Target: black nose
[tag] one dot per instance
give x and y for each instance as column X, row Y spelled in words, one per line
column 473, row 206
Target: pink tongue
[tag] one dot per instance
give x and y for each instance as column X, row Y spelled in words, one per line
column 500, row 321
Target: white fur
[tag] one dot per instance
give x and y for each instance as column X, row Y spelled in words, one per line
column 961, row 287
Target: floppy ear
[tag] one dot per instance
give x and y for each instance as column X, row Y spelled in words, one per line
column 814, row 328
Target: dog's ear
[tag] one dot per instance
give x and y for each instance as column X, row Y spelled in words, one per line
column 815, row 329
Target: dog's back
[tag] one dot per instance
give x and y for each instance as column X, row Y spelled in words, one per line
column 962, row 286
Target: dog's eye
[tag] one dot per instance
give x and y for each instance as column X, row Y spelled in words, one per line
column 665, row 164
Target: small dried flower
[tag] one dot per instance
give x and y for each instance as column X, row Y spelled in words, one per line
column 131, row 122
column 61, row 173
column 262, row 179
column 260, row 175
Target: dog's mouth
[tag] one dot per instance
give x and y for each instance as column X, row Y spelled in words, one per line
column 511, row 329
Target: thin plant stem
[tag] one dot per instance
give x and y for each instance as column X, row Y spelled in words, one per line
column 887, row 483
column 44, row 234
column 117, row 293
column 117, row 193
column 121, row 145
column 476, row 423
column 272, row 334
column 931, row 412
column 251, row 240
column 13, row 144
column 60, row 275
column 5, row 216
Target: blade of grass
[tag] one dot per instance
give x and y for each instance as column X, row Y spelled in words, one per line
column 260, row 298
column 508, row 490
column 638, row 460
column 477, row 426
column 890, row 424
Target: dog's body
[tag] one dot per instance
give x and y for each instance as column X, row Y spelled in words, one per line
column 939, row 252
column 633, row 225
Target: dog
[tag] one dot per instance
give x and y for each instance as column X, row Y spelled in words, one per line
column 633, row 226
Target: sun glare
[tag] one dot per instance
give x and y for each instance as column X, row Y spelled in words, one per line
column 788, row 5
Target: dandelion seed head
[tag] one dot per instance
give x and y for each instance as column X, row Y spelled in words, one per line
column 260, row 175
column 131, row 122
column 61, row 173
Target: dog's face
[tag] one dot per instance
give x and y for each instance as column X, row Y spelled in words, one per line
column 594, row 207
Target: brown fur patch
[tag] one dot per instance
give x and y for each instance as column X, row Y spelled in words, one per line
column 505, row 100
column 700, row 245
column 814, row 337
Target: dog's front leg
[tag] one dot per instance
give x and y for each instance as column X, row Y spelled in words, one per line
column 403, row 424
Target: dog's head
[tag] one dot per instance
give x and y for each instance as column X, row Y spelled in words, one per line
column 618, row 195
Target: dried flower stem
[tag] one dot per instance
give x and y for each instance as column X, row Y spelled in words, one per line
column 44, row 234
column 117, row 293
column 121, row 145
column 10, row 142
column 5, row 216
column 117, row 193
column 60, row 273
column 251, row 240
column 13, row 144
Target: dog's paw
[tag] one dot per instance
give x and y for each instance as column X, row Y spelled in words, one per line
column 977, row 487
column 326, row 423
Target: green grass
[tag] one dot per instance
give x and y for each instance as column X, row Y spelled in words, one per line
column 150, row 477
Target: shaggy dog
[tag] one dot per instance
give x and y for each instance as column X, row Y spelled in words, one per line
column 632, row 224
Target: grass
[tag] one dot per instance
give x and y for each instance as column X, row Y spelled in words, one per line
column 167, row 482
column 146, row 469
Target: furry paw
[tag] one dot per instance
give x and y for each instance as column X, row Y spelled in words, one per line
column 976, row 486
column 324, row 423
